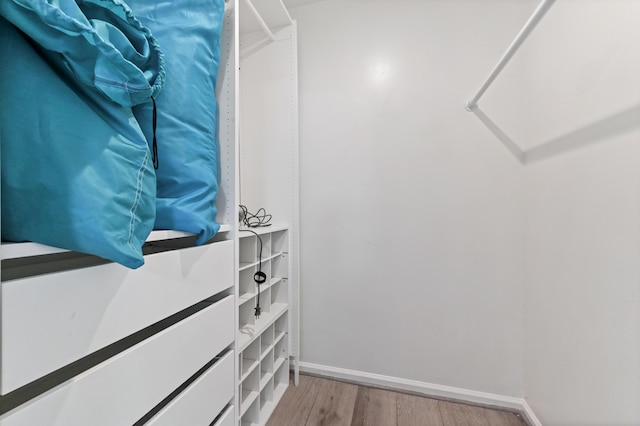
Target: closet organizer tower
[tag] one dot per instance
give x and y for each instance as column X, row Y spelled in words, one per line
column 88, row 342
column 268, row 344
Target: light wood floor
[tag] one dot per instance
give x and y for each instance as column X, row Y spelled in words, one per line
column 316, row 401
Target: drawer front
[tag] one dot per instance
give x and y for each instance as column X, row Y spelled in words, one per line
column 226, row 419
column 52, row 320
column 124, row 388
column 203, row 400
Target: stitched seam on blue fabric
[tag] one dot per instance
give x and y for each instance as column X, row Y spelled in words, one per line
column 137, row 199
column 114, row 83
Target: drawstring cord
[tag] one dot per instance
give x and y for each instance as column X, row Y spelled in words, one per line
column 154, row 153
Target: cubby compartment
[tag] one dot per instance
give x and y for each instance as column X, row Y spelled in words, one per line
column 251, row 416
column 247, row 318
column 280, row 293
column 279, row 267
column 248, row 251
column 246, row 284
column 250, row 359
column 249, row 390
column 266, row 368
column 281, row 325
column 264, row 300
column 265, row 267
column 279, row 242
column 267, row 403
column 281, row 380
column 266, row 246
column 266, row 341
column 280, row 350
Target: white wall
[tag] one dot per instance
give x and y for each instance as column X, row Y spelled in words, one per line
column 582, row 357
column 412, row 236
column 415, row 226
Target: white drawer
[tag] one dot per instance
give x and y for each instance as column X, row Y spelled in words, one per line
column 203, row 400
column 52, row 320
column 226, row 419
column 124, row 388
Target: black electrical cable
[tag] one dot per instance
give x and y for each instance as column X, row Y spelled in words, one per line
column 154, row 144
column 259, row 277
column 255, row 220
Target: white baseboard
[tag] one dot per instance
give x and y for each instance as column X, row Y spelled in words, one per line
column 529, row 415
column 427, row 389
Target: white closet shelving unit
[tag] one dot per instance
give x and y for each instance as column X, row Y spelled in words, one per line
column 262, row 342
column 82, row 341
column 267, row 346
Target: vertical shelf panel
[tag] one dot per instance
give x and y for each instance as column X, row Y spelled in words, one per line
column 268, row 153
column 226, row 92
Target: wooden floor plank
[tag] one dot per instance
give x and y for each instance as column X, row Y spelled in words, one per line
column 322, row 402
column 461, row 415
column 375, row 407
column 496, row 417
column 334, row 404
column 296, row 403
column 417, row 411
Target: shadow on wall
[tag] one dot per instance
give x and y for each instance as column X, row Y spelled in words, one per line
column 599, row 131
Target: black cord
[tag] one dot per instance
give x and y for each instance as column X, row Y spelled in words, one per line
column 255, row 220
column 154, row 145
column 259, row 277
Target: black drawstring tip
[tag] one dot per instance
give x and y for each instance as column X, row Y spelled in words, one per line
column 154, row 152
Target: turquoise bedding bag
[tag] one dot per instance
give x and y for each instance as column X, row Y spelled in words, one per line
column 189, row 32
column 77, row 172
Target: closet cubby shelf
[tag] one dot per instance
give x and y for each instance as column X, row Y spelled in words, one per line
column 262, row 230
column 249, row 332
column 248, row 398
column 247, row 265
column 262, row 342
column 247, row 296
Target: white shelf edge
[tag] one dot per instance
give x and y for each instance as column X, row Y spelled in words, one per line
column 264, row 380
column 280, row 335
column 242, row 231
column 247, row 401
column 267, row 410
column 245, row 297
column 279, row 389
column 246, row 265
column 252, row 367
column 272, row 256
column 264, row 351
column 249, row 332
column 278, row 363
column 9, row 250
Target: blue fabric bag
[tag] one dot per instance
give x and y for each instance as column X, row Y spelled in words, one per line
column 98, row 42
column 189, row 32
column 76, row 169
